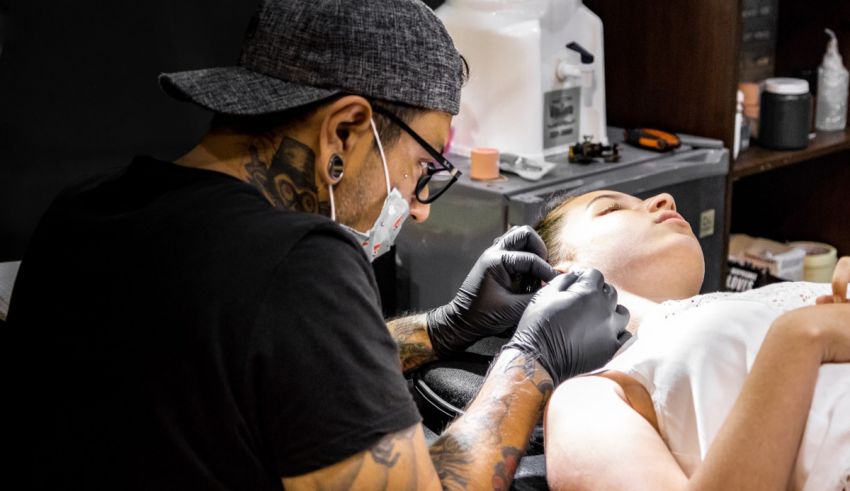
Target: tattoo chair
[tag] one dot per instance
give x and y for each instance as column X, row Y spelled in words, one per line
column 443, row 388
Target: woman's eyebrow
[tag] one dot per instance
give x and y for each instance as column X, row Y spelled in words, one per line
column 602, row 196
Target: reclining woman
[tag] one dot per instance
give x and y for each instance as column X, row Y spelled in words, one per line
column 717, row 391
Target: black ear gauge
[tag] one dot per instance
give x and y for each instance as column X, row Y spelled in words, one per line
column 335, row 167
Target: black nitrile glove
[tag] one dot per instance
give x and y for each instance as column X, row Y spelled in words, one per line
column 494, row 294
column 573, row 325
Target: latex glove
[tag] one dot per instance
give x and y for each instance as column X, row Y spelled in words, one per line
column 573, row 325
column 494, row 294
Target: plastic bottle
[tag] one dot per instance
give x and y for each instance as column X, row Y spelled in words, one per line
column 832, row 89
column 742, row 128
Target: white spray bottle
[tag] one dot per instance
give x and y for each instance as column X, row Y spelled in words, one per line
column 832, row 89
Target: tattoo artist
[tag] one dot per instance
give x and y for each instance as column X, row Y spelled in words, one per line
column 227, row 329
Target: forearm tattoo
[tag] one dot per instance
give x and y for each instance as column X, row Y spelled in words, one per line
column 534, row 373
column 411, row 337
column 289, row 181
column 485, row 445
column 505, row 469
column 451, row 460
column 455, row 452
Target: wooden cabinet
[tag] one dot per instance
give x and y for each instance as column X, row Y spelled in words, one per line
column 673, row 64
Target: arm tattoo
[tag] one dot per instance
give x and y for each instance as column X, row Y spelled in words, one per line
column 503, row 474
column 357, row 470
column 484, row 445
column 451, row 459
column 533, row 372
column 289, row 181
column 453, row 453
column 384, row 451
column 414, row 345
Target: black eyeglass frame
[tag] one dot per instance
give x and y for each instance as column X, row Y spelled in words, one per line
column 425, row 178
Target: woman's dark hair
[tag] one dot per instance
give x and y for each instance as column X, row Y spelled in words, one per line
column 550, row 226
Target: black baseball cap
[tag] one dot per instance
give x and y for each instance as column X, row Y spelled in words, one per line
column 297, row 52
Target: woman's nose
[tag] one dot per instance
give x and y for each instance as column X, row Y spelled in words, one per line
column 663, row 201
column 419, row 211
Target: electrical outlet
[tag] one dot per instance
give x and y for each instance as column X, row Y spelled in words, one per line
column 706, row 223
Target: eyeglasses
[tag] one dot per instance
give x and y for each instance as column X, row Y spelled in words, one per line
column 439, row 174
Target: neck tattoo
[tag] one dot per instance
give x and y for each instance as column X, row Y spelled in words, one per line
column 289, row 182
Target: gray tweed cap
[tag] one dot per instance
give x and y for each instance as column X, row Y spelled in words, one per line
column 300, row 51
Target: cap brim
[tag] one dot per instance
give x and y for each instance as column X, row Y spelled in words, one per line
column 238, row 91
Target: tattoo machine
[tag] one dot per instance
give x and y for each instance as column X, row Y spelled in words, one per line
column 588, row 150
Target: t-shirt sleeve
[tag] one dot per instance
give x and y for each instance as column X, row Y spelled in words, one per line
column 328, row 376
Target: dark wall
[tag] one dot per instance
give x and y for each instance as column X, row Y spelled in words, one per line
column 79, row 93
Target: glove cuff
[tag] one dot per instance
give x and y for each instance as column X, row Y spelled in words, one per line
column 531, row 350
column 436, row 322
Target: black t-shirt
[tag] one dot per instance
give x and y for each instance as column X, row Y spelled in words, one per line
column 173, row 330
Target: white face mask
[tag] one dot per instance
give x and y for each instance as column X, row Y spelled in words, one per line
column 378, row 239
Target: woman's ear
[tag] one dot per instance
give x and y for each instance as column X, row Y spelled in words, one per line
column 563, row 266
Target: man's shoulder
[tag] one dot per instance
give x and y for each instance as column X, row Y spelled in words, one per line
column 295, row 227
column 206, row 212
column 320, row 245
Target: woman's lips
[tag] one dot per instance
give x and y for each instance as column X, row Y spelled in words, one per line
column 669, row 215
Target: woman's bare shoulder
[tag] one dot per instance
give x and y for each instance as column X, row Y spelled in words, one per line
column 634, row 394
column 591, row 427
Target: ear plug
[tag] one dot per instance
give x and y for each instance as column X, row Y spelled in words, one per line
column 335, row 167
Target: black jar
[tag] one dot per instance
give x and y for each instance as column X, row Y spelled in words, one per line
column 786, row 114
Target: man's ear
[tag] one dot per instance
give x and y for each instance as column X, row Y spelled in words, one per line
column 344, row 132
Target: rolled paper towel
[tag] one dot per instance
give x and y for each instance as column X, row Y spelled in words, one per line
column 485, row 164
column 819, row 262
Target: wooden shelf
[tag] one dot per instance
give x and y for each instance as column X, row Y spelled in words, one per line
column 757, row 159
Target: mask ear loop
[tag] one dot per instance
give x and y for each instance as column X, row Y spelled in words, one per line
column 383, row 161
column 381, row 151
column 333, row 206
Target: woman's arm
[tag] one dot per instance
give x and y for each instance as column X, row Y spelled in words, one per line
column 840, row 279
column 596, row 440
column 757, row 445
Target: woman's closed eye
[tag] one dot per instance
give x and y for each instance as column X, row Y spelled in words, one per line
column 611, row 207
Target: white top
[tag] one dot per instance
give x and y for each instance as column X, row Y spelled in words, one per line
column 693, row 356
